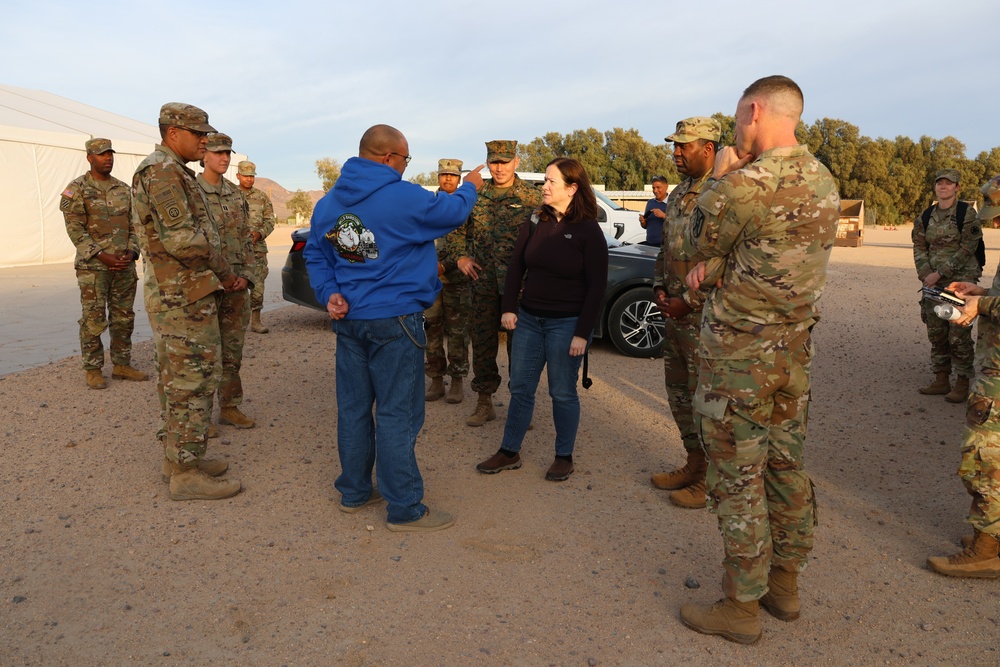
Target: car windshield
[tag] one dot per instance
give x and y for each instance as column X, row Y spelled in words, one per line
column 604, row 198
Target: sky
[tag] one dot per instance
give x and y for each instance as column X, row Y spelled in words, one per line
column 296, row 81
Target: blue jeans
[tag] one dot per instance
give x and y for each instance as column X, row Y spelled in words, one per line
column 538, row 342
column 379, row 366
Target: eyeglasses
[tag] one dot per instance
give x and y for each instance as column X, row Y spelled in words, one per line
column 406, row 158
column 196, row 133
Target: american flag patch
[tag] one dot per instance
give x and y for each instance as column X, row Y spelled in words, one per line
column 68, row 192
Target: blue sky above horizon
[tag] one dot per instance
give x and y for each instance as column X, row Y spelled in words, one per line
column 296, row 81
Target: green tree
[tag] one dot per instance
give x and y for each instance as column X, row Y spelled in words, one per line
column 425, row 178
column 300, row 205
column 328, row 170
column 728, row 124
column 632, row 160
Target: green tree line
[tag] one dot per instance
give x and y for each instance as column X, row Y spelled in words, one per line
column 895, row 177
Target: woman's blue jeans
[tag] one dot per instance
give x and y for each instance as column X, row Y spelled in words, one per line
column 538, row 342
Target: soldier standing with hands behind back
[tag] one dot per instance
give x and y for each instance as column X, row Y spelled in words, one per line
column 96, row 208
column 446, row 319
column 261, row 226
column 695, row 143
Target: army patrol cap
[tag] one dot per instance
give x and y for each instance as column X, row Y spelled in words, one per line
column 991, row 200
column 98, row 146
column 449, row 166
column 696, row 127
column 950, row 174
column 501, row 150
column 246, row 168
column 218, row 142
column 175, row 114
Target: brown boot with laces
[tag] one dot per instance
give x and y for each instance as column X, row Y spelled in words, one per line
column 733, row 620
column 782, row 597
column 484, row 411
column 960, row 391
column 692, row 497
column 941, row 384
column 692, row 471
column 436, row 390
column 978, row 561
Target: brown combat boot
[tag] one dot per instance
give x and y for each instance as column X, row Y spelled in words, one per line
column 436, row 390
column 193, row 484
column 256, row 325
column 213, row 467
column 691, row 497
column 484, row 411
column 782, row 597
column 736, row 621
column 126, row 372
column 960, row 391
column 455, row 391
column 233, row 417
column 213, row 431
column 692, row 471
column 941, row 384
column 979, row 560
column 95, row 379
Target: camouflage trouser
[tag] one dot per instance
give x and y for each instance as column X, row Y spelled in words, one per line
column 680, row 372
column 260, row 269
column 447, row 319
column 188, row 360
column 951, row 344
column 484, row 331
column 980, row 467
column 115, row 292
column 234, row 317
column 751, row 414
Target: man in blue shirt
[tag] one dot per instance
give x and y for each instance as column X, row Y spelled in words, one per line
column 371, row 260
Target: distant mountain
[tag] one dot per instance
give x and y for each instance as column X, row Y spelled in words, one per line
column 280, row 196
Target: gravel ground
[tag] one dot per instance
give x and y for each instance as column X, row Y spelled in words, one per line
column 99, row 567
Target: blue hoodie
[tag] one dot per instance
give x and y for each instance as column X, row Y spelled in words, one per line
column 372, row 240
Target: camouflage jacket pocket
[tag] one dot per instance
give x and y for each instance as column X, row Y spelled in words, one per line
column 979, row 409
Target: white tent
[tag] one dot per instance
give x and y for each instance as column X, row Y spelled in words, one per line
column 42, row 139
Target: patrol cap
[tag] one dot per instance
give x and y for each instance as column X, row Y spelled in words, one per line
column 176, row 114
column 696, row 127
column 501, row 150
column 246, row 168
column 98, row 146
column 950, row 174
column 449, row 166
column 218, row 142
column 991, row 200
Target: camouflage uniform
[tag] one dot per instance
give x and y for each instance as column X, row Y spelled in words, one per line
column 185, row 270
column 448, row 317
column 262, row 222
column 229, row 209
column 680, row 335
column 980, row 467
column 774, row 222
column 489, row 236
column 939, row 247
column 97, row 220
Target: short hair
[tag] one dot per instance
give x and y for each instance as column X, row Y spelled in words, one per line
column 163, row 130
column 658, row 179
column 784, row 94
column 583, row 205
column 379, row 140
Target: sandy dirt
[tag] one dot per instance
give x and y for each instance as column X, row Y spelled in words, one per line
column 99, row 567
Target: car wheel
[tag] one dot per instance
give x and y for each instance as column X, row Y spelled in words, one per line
column 635, row 324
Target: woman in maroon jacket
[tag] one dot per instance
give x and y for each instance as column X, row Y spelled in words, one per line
column 561, row 262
